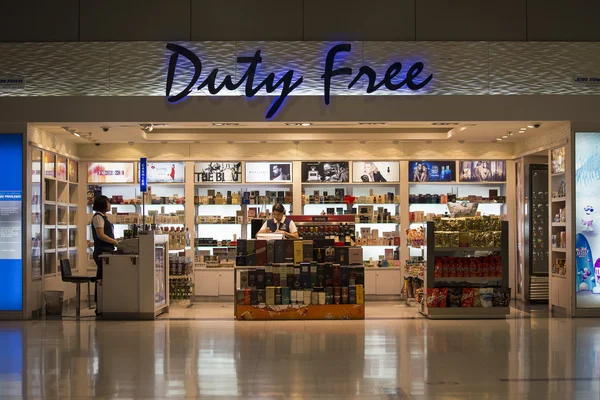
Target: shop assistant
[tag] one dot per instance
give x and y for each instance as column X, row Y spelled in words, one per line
column 280, row 224
column 102, row 232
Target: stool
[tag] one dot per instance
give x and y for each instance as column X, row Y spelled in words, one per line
column 67, row 276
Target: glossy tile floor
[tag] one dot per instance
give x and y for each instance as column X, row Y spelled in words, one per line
column 523, row 357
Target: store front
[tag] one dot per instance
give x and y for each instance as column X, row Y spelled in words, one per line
column 338, row 130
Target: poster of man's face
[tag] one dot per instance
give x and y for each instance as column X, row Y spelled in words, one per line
column 326, row 171
column 268, row 172
column 482, row 171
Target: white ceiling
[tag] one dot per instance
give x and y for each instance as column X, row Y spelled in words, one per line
column 471, row 131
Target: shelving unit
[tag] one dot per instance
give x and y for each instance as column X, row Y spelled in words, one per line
column 59, row 213
column 435, row 281
column 559, row 219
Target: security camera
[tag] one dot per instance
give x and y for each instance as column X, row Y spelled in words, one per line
column 97, row 144
column 105, row 128
column 537, row 125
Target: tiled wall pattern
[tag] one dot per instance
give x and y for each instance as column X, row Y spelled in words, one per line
column 458, row 68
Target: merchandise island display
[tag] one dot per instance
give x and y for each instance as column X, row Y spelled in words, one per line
column 299, row 280
column 466, row 268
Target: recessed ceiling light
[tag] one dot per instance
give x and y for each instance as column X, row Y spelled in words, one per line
column 530, row 126
column 76, row 134
column 299, row 124
column 463, row 128
column 524, row 128
column 498, row 139
column 505, row 137
column 510, row 133
column 521, row 131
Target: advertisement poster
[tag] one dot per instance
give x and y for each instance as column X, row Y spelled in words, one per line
column 482, row 171
column 111, row 172
column 229, row 171
column 258, row 172
column 558, row 160
column 326, row 171
column 587, row 240
column 11, row 226
column 165, row 172
column 73, row 171
column 431, row 171
column 61, row 168
column 49, row 164
column 375, row 171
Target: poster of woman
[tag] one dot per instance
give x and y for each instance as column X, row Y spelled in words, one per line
column 375, row 171
column 482, row 171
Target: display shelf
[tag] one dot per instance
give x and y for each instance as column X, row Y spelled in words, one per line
column 458, row 201
column 205, row 223
column 454, row 249
column 377, row 223
column 560, row 249
column 557, row 174
column 559, row 199
column 50, row 251
column 466, row 312
column 378, row 245
column 559, row 224
column 559, row 276
column 72, row 248
column 50, row 202
column 469, row 279
column 456, row 183
column 215, row 247
column 181, row 276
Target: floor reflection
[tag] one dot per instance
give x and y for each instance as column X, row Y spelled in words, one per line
column 376, row 358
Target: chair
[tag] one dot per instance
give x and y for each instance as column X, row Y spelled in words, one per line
column 67, row 276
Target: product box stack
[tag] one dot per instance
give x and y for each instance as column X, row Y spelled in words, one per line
column 299, row 272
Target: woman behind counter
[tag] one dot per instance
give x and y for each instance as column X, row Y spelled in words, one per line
column 280, row 224
column 102, row 232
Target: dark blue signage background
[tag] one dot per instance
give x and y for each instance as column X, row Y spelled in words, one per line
column 11, row 226
column 432, row 171
column 143, row 175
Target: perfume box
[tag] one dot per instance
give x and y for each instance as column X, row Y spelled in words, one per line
column 314, row 298
column 277, row 296
column 268, row 275
column 298, row 251
column 261, row 293
column 279, row 251
column 293, row 296
column 345, row 294
column 314, row 274
column 251, row 259
column 290, row 275
column 352, row 294
column 341, row 255
column 285, row 295
column 328, row 295
column 243, row 279
column 305, row 275
column 307, row 250
column 270, row 252
column 360, row 275
column 322, row 243
column 288, row 251
column 319, row 255
column 260, row 279
column 241, row 247
column 299, row 297
column 307, row 296
column 321, row 275
column 328, row 274
column 360, row 294
column 276, row 276
column 337, row 295
column 252, row 279
column 337, row 275
column 345, row 274
column 322, row 298
column 261, row 252
column 297, row 283
column 329, row 254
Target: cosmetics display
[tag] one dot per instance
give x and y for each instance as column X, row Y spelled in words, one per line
column 247, row 197
column 340, row 197
column 181, row 289
column 343, row 232
column 453, row 198
column 373, row 237
column 96, row 190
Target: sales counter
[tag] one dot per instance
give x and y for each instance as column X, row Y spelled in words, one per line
column 134, row 285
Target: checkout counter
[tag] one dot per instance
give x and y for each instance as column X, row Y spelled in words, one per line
column 135, row 279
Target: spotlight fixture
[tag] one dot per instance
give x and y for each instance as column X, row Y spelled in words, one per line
column 463, row 128
column 505, row 137
column 530, row 126
column 510, row 133
column 498, row 139
column 76, row 134
column 224, row 124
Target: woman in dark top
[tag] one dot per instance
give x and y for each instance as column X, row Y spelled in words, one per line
column 102, row 231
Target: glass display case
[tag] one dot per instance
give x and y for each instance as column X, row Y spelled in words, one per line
column 36, row 213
